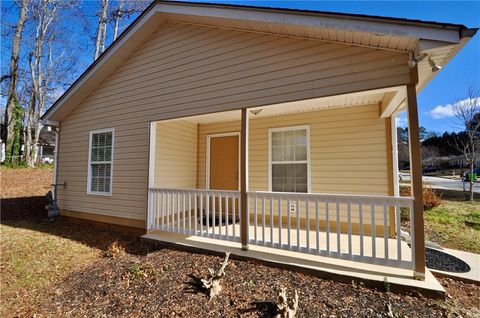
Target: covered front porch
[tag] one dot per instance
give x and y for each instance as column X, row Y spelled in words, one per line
column 315, row 177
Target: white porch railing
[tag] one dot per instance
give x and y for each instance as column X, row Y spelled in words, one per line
column 353, row 227
column 207, row 213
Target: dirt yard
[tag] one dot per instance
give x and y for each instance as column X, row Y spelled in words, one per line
column 63, row 269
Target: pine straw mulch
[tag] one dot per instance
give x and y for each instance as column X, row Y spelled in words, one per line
column 165, row 283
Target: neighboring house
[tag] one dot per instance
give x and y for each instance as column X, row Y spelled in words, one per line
column 461, row 162
column 254, row 125
column 46, row 146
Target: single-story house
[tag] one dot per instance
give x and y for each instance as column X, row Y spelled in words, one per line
column 258, row 126
column 46, row 145
column 461, row 162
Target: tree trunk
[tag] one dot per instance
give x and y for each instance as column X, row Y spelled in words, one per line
column 102, row 30
column 28, row 134
column 36, row 137
column 471, row 178
column 12, row 89
column 118, row 17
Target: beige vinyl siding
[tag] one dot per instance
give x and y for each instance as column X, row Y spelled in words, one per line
column 187, row 70
column 176, row 155
column 347, row 148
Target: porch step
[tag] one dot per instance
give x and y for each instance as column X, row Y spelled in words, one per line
column 400, row 280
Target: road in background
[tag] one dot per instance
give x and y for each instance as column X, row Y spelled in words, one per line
column 444, row 183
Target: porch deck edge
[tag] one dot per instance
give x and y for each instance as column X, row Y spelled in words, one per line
column 373, row 276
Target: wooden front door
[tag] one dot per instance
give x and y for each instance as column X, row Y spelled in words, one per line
column 224, row 163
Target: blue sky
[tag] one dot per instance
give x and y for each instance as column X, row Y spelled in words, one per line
column 453, row 81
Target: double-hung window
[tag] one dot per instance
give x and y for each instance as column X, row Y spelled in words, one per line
column 289, row 159
column 100, row 162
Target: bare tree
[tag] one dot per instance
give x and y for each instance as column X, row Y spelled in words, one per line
column 101, row 30
column 467, row 113
column 117, row 16
column 430, row 155
column 48, row 66
column 109, row 12
column 12, row 96
column 124, row 10
column 43, row 13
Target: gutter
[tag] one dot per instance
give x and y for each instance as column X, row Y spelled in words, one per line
column 468, row 33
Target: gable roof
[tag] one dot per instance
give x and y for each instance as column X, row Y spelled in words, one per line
column 440, row 40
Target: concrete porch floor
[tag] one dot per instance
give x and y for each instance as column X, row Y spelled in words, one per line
column 400, row 280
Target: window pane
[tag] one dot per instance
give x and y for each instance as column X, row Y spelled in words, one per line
column 101, row 170
column 101, row 139
column 289, row 137
column 108, row 168
column 94, row 154
column 301, row 187
column 95, row 140
column 94, row 184
column 94, row 170
column 301, row 152
column 108, row 141
column 107, row 184
column 301, row 137
column 101, row 154
column 289, row 153
column 289, row 184
column 277, row 138
column 301, row 170
column 108, row 154
column 289, row 171
column 277, row 153
column 277, row 185
column 289, row 177
column 101, row 185
column 277, row 170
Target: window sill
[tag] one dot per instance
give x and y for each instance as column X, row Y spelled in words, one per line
column 105, row 194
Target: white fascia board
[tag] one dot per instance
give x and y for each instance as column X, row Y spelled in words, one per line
column 428, row 45
column 315, row 21
column 51, row 123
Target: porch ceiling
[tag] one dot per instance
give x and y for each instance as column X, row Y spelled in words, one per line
column 315, row 104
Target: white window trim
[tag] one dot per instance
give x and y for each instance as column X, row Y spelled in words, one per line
column 89, row 178
column 207, row 155
column 272, row 130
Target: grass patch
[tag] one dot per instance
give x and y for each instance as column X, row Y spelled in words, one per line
column 455, row 224
column 32, row 260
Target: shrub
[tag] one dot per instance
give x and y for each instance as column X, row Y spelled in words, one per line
column 115, row 249
column 430, row 198
column 15, row 165
column 142, row 271
column 44, row 165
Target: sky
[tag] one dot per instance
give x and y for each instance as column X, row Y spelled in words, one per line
column 434, row 101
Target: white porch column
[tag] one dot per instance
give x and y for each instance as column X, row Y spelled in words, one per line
column 151, row 173
column 396, row 187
